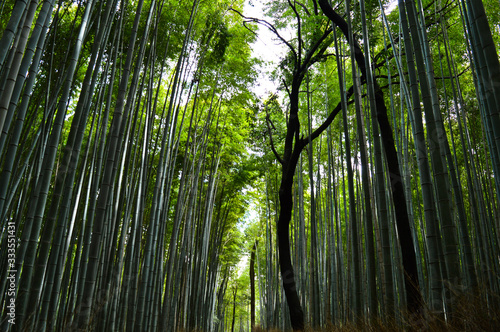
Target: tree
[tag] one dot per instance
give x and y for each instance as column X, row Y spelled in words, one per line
column 294, row 144
column 414, row 298
column 252, row 285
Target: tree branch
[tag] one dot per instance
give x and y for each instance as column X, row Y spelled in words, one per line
column 309, row 59
column 248, row 28
column 286, row 87
column 299, row 33
column 342, row 24
column 315, row 7
column 268, row 121
column 303, row 6
column 270, row 27
column 318, row 131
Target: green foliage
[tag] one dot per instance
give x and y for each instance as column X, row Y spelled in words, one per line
column 196, row 179
column 5, row 10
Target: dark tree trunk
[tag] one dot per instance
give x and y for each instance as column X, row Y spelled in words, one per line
column 252, row 286
column 413, row 295
column 293, row 147
column 294, row 144
column 286, row 268
column 234, row 308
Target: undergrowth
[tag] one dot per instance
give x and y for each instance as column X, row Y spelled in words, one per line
column 471, row 312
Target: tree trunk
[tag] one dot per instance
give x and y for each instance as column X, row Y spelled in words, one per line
column 234, row 308
column 286, row 268
column 414, row 297
column 252, row 286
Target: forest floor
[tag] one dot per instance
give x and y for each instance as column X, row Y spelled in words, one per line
column 472, row 313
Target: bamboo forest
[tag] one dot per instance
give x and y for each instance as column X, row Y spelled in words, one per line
column 250, row 165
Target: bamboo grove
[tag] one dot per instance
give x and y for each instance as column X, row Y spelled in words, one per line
column 146, row 186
